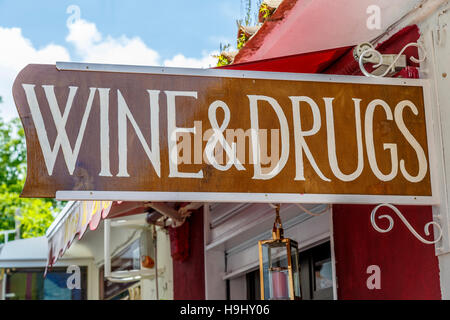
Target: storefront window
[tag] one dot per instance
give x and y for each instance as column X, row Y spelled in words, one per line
column 30, row 284
column 316, row 273
column 128, row 259
column 322, row 274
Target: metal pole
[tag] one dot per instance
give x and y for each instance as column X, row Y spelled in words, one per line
column 3, row 280
column 155, row 237
column 107, row 253
column 17, row 215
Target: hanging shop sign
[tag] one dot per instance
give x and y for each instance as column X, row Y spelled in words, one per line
column 110, row 132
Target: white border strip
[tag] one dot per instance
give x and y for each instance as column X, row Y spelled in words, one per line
column 431, row 141
column 227, row 73
column 242, row 197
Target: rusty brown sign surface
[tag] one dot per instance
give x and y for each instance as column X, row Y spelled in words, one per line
column 221, row 132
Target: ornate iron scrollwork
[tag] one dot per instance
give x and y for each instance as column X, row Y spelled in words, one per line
column 407, row 224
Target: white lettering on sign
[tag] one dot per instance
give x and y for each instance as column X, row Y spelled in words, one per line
column 219, row 138
column 62, row 140
column 172, row 131
column 104, row 132
column 125, row 114
column 215, row 137
column 332, row 141
column 392, row 147
column 299, row 135
column 423, row 168
column 255, row 138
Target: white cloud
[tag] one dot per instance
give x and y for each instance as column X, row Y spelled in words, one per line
column 17, row 52
column 90, row 45
column 207, row 61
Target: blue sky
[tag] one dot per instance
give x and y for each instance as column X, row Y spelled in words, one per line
column 171, row 33
column 170, row 27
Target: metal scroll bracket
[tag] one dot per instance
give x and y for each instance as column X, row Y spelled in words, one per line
column 369, row 54
column 407, row 224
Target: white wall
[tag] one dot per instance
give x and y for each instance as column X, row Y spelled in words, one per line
column 165, row 280
column 238, row 288
column 435, row 34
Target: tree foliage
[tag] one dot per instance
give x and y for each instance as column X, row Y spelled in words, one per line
column 34, row 215
column 12, row 155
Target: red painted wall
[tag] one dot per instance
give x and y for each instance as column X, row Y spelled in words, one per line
column 189, row 275
column 409, row 268
column 313, row 62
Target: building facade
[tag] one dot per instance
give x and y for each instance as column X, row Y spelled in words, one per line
column 357, row 250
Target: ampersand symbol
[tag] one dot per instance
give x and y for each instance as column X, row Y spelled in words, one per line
column 218, row 137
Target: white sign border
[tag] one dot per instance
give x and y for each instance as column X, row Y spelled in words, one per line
column 241, row 197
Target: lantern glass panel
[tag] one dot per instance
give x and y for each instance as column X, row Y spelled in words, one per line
column 295, row 268
column 265, row 268
column 278, row 271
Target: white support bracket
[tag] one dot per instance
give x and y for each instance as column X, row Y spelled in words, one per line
column 427, row 226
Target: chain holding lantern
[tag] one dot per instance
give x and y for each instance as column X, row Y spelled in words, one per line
column 278, row 265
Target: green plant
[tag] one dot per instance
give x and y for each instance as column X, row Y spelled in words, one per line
column 35, row 215
column 222, row 60
column 224, row 47
column 265, row 11
column 248, row 12
column 242, row 39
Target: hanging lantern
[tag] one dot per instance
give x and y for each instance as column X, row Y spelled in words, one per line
column 278, row 265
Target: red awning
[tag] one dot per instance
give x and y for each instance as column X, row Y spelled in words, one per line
column 334, row 61
column 301, row 26
column 312, row 62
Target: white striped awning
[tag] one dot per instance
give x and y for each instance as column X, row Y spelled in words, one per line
column 72, row 223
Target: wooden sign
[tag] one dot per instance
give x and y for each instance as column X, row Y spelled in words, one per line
column 140, row 133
